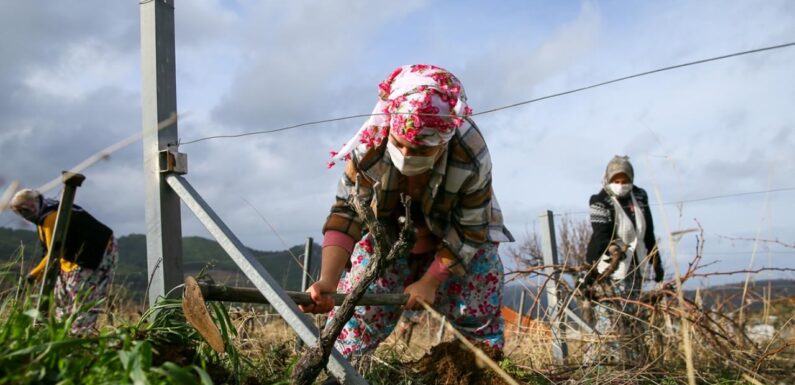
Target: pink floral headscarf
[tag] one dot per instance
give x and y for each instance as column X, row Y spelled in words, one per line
column 421, row 103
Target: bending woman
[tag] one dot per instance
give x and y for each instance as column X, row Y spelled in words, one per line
column 419, row 141
column 86, row 265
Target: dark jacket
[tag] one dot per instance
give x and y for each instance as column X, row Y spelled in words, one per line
column 86, row 238
column 603, row 224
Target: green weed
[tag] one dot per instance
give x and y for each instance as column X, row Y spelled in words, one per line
column 162, row 348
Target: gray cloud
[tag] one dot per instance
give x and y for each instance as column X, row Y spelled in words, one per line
column 292, row 60
column 769, row 158
column 66, row 74
column 510, row 69
column 70, row 75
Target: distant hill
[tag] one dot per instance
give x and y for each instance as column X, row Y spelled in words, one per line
column 730, row 294
column 202, row 252
column 198, row 253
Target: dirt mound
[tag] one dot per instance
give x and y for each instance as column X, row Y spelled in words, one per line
column 451, row 363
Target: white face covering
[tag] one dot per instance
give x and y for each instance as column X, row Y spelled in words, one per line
column 619, row 189
column 409, row 165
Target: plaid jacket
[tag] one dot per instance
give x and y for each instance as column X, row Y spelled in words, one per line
column 458, row 203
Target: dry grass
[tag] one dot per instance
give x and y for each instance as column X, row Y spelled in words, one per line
column 721, row 354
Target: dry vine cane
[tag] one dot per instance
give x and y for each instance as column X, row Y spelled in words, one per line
column 316, row 358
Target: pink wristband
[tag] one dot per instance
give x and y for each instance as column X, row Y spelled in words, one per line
column 338, row 238
column 438, row 270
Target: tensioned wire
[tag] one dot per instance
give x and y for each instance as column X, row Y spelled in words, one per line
column 508, row 106
column 699, row 199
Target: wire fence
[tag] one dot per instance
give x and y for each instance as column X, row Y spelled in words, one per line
column 717, row 334
column 697, row 199
column 511, row 105
column 107, row 152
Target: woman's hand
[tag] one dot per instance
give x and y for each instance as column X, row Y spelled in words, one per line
column 424, row 289
column 323, row 303
column 616, row 256
column 332, row 263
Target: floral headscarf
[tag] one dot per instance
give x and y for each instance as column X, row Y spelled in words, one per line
column 421, row 103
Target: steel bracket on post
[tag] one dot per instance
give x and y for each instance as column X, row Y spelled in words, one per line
column 71, row 182
column 173, row 161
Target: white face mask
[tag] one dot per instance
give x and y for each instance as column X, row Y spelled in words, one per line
column 620, row 189
column 409, row 165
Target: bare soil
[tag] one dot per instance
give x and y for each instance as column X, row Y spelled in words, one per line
column 451, row 363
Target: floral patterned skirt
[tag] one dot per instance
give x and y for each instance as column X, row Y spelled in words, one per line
column 472, row 303
column 79, row 290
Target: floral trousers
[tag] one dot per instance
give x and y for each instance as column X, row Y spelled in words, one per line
column 81, row 287
column 472, row 303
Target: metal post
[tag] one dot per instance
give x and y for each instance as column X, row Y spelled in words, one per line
column 71, row 182
column 550, row 248
column 340, row 368
column 307, row 271
column 521, row 309
column 159, row 107
column 307, row 268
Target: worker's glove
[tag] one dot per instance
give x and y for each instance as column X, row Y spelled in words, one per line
column 616, row 253
column 616, row 256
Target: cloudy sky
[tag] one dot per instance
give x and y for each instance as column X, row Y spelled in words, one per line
column 70, row 75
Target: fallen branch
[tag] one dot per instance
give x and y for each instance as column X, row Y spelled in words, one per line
column 315, row 358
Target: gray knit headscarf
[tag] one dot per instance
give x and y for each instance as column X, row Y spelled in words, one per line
column 618, row 165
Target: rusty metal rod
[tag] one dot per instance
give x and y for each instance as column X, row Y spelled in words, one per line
column 213, row 292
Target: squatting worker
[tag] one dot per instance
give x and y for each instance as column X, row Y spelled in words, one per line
column 419, row 141
column 86, row 265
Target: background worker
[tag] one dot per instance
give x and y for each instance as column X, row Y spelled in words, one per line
column 622, row 247
column 86, row 265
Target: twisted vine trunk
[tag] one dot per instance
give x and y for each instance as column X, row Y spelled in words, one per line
column 316, row 358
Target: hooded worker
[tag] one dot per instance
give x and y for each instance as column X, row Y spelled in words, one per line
column 88, row 259
column 419, row 141
column 621, row 249
column 623, row 245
